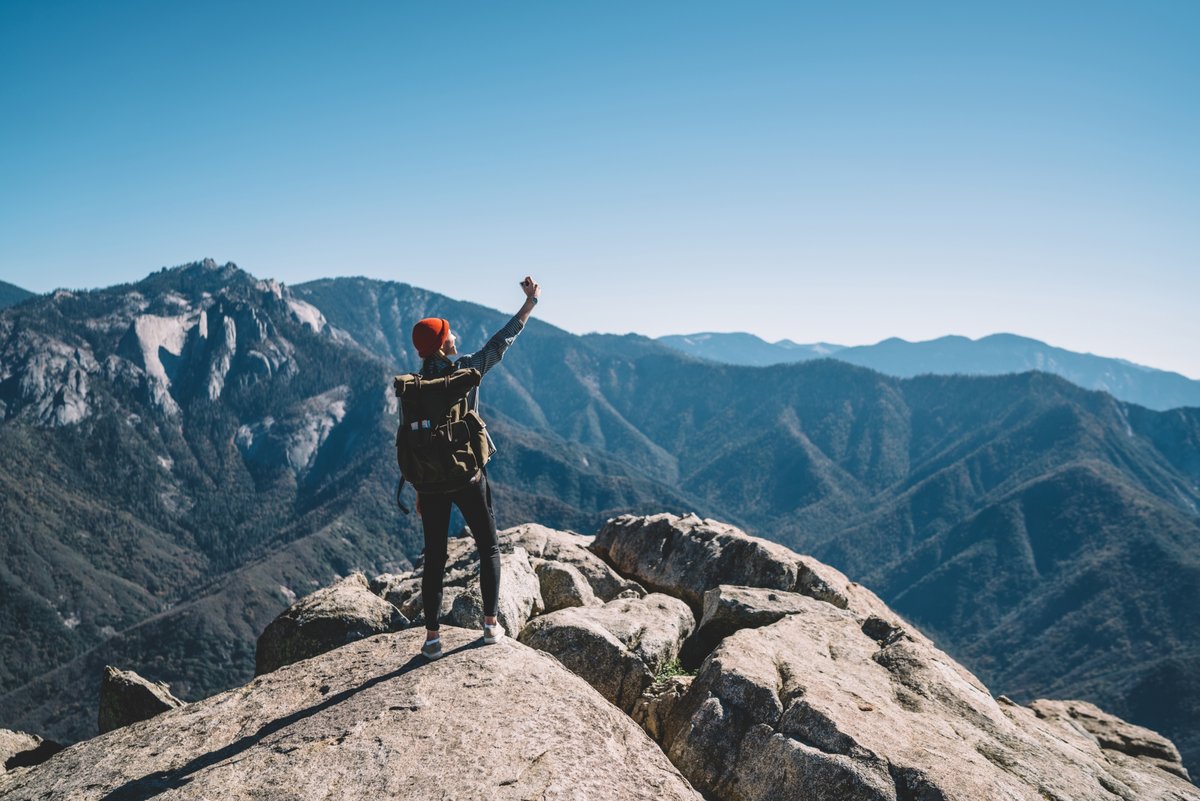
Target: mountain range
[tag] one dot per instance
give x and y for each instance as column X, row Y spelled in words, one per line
column 11, row 295
column 186, row 454
column 997, row 354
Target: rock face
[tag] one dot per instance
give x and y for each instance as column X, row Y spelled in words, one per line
column 686, row 557
column 728, row 608
column 815, row 707
column 654, row 708
column 617, row 647
column 21, row 750
column 295, row 440
column 808, row 688
column 399, row 589
column 563, row 586
column 1113, row 734
column 330, row 617
column 561, row 559
column 126, row 697
column 520, row 595
column 571, row 549
column 374, row 720
column 187, row 346
column 404, row 592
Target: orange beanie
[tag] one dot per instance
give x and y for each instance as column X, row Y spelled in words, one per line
column 429, row 335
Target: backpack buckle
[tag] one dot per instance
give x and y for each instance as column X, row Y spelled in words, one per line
column 460, row 431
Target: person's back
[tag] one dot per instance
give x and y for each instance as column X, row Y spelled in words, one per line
column 441, row 442
column 436, row 344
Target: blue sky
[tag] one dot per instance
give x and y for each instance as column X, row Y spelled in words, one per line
column 840, row 172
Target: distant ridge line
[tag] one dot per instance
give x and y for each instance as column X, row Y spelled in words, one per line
column 994, row 354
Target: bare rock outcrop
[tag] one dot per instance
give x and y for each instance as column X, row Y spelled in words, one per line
column 564, row 586
column 617, row 647
column 328, row 618
column 1113, row 734
column 403, row 591
column 414, row 608
column 49, row 379
column 823, row 704
column 21, row 750
column 808, row 688
column 560, row 560
column 571, row 549
column 520, row 595
column 728, row 608
column 687, row 556
column 371, row 720
column 126, row 697
column 397, row 588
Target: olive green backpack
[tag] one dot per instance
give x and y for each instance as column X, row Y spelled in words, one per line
column 441, row 443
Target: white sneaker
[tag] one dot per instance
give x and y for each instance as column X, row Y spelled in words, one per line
column 492, row 632
column 432, row 649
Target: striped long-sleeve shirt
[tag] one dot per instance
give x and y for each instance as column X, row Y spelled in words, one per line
column 482, row 360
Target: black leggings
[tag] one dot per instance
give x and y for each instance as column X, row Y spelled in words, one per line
column 475, row 503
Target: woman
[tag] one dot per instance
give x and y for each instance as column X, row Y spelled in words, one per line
column 437, row 346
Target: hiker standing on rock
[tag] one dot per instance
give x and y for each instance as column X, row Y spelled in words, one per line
column 458, row 430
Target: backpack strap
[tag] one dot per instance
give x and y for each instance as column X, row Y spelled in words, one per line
column 464, row 377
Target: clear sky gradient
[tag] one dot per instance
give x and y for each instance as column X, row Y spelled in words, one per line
column 842, row 172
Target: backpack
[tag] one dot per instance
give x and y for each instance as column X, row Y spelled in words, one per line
column 441, row 443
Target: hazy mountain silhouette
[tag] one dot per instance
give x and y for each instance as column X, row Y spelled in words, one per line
column 997, row 354
column 746, row 349
column 11, row 295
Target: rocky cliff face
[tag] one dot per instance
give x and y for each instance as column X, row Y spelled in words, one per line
column 157, row 437
column 179, row 334
column 807, row 687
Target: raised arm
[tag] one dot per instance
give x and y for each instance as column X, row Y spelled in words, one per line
column 490, row 354
column 532, row 291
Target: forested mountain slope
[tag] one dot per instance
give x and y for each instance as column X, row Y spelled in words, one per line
column 186, row 454
column 11, row 295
